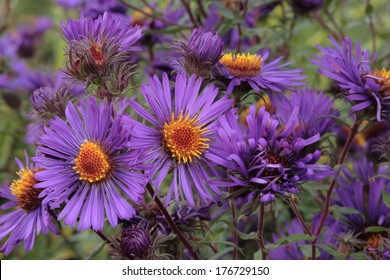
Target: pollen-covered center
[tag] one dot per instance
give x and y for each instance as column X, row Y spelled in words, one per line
column 24, row 191
column 92, row 162
column 242, row 65
column 383, row 79
column 183, row 139
column 97, row 54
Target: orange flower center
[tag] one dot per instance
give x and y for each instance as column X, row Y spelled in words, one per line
column 97, row 54
column 183, row 139
column 383, row 79
column 25, row 192
column 242, row 65
column 92, row 163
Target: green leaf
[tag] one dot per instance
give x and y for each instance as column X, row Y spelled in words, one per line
column 95, row 251
column 346, row 210
column 221, row 253
column 377, row 229
column 386, row 197
column 290, row 239
column 243, row 236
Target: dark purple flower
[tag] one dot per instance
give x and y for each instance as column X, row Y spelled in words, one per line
column 349, row 67
column 179, row 139
column 264, row 159
column 135, row 242
column 88, row 166
column 295, row 251
column 27, row 38
column 200, row 55
column 315, row 113
column 306, row 6
column 252, row 70
column 362, row 189
column 26, row 215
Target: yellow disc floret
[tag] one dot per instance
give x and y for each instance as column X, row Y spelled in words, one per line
column 25, row 192
column 383, row 81
column 92, row 163
column 183, row 138
column 242, row 65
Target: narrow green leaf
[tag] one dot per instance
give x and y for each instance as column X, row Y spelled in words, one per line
column 95, row 251
column 377, row 229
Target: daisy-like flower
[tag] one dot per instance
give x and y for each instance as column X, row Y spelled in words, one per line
column 252, row 69
column 100, row 51
column 179, row 138
column 264, row 158
column 362, row 189
column 26, row 215
column 314, row 114
column 88, row 167
column 349, row 67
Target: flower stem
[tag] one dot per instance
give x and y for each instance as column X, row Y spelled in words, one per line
column 260, row 230
column 299, row 216
column 234, row 220
column 103, row 237
column 340, row 161
column 171, row 222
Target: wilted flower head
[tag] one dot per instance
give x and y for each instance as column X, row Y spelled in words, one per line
column 26, row 216
column 200, row 55
column 100, row 52
column 252, row 69
column 89, row 167
column 264, row 159
column 349, row 67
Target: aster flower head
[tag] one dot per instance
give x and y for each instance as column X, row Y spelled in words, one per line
column 361, row 188
column 201, row 53
column 349, row 67
column 264, row 158
column 252, row 70
column 27, row 38
column 294, row 251
column 100, row 51
column 26, row 216
column 179, row 139
column 89, row 167
column 314, row 114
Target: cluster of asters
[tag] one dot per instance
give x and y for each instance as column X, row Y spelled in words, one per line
column 187, row 136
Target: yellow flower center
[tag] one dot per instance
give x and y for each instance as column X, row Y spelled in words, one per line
column 92, row 163
column 25, row 192
column 183, row 139
column 242, row 65
column 383, row 81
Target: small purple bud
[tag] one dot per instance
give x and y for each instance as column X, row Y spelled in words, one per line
column 135, row 243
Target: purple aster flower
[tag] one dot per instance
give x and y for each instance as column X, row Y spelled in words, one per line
column 27, row 38
column 96, row 8
column 314, row 114
column 294, row 251
column 264, row 159
column 26, row 215
column 252, row 69
column 200, row 55
column 88, row 167
column 179, row 139
column 361, row 189
column 349, row 67
column 100, row 51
